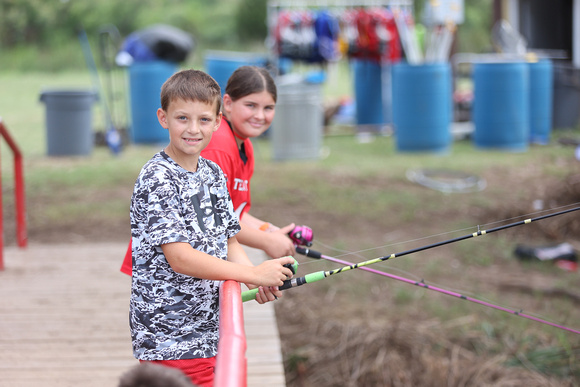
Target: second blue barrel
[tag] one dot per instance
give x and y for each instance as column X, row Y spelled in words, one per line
column 145, row 81
column 221, row 64
column 422, row 106
column 368, row 92
column 501, row 112
column 541, row 92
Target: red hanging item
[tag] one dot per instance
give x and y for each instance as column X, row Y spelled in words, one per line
column 372, row 34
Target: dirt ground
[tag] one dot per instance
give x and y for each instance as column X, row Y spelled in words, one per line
column 367, row 331
column 361, row 334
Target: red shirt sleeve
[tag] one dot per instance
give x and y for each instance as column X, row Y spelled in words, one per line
column 127, row 266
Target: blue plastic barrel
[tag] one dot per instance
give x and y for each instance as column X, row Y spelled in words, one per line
column 145, row 81
column 221, row 64
column 541, row 92
column 501, row 113
column 422, row 107
column 368, row 92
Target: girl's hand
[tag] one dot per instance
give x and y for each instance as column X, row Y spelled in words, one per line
column 267, row 294
column 279, row 243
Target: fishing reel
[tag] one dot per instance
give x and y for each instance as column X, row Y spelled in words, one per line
column 292, row 266
column 301, row 236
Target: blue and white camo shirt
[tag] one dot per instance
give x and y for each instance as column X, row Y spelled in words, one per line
column 175, row 316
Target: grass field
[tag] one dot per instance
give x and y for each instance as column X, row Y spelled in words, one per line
column 357, row 328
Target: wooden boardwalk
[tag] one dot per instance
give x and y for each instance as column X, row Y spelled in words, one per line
column 64, row 320
column 264, row 353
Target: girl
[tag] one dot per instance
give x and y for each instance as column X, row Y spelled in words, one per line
column 248, row 109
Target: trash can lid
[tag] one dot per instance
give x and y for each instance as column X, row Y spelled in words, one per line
column 69, row 93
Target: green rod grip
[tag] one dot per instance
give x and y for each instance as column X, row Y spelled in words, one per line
column 291, row 283
column 313, row 277
column 249, row 295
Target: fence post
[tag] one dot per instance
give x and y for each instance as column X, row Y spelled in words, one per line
column 19, row 195
column 1, row 215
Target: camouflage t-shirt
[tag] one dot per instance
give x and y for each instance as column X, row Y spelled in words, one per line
column 175, row 316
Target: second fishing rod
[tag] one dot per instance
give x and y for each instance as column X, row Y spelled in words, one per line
column 320, row 275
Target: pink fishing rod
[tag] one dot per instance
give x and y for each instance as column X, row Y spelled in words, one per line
column 315, row 254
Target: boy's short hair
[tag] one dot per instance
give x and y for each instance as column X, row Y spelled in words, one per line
column 191, row 85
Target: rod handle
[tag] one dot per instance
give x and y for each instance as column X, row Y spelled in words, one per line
column 308, row 252
column 249, row 295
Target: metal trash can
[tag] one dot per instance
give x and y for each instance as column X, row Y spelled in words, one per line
column 69, row 121
column 566, row 98
column 297, row 127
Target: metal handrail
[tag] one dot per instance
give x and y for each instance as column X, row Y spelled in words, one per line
column 19, row 196
column 231, row 363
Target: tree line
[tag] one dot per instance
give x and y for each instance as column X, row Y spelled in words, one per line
column 49, row 23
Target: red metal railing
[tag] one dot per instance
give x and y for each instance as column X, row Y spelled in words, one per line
column 19, row 198
column 231, row 364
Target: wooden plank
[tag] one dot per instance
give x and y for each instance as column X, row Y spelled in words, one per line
column 262, row 338
column 64, row 316
column 64, row 319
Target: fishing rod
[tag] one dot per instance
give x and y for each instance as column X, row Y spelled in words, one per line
column 315, row 254
column 320, row 275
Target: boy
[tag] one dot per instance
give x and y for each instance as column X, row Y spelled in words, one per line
column 183, row 237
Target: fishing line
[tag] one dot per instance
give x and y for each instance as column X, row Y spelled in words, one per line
column 391, row 268
column 418, row 281
column 315, row 254
column 345, row 253
column 383, row 266
column 317, row 276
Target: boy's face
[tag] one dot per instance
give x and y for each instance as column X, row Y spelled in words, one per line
column 191, row 125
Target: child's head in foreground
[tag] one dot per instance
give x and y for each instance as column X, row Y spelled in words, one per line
column 154, row 375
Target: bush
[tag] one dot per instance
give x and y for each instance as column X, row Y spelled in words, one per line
column 251, row 20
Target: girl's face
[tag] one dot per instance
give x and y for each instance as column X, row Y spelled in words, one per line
column 191, row 125
column 251, row 115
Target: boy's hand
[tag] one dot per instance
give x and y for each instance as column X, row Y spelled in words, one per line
column 273, row 272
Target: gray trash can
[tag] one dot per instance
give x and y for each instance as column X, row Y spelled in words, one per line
column 298, row 123
column 69, row 121
column 566, row 98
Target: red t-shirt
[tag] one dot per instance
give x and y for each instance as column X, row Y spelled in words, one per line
column 224, row 150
